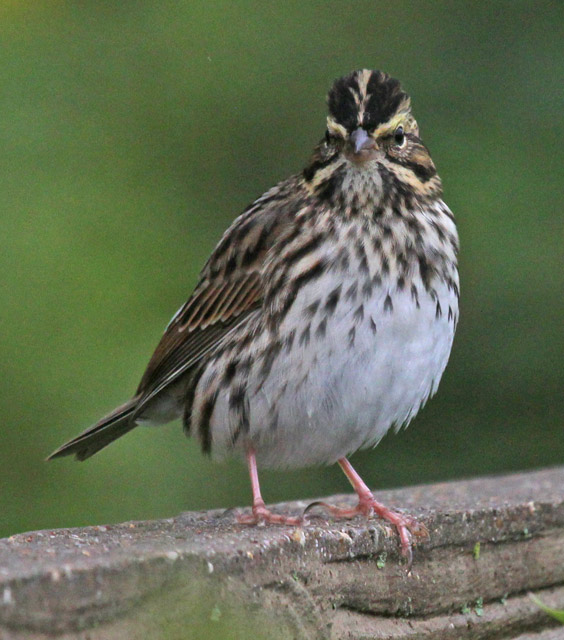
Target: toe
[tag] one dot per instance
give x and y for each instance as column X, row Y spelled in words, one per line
column 261, row 515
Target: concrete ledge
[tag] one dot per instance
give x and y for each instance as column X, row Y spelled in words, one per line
column 203, row 575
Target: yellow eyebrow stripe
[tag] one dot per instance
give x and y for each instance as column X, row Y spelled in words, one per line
column 335, row 128
column 389, row 127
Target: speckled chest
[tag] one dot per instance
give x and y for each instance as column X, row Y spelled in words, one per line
column 360, row 348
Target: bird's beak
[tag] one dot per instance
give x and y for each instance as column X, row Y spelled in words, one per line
column 362, row 146
column 360, row 139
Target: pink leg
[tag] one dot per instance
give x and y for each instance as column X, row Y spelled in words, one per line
column 406, row 525
column 260, row 513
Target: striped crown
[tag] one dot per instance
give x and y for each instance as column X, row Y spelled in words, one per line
column 366, row 99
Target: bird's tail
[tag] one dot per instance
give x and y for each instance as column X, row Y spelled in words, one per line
column 108, row 429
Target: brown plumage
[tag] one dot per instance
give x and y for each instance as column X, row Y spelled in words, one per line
column 325, row 314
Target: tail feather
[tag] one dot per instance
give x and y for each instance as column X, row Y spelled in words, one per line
column 100, row 435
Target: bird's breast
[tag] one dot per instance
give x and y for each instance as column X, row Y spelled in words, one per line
column 355, row 333
column 345, row 365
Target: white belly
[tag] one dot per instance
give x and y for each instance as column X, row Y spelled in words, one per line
column 334, row 394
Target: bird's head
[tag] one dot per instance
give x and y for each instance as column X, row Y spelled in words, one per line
column 370, row 128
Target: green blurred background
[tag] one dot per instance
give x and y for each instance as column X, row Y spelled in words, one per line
column 132, row 133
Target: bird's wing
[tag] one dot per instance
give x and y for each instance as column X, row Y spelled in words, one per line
column 230, row 289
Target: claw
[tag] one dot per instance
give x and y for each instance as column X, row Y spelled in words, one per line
column 406, row 526
column 312, row 505
column 262, row 515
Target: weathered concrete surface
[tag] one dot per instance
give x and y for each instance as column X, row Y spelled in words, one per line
column 202, row 575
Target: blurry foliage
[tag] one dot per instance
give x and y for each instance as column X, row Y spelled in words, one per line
column 132, row 133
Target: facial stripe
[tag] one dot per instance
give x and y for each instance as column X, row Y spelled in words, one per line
column 316, row 165
column 423, row 171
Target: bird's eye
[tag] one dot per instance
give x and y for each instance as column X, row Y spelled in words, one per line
column 328, row 137
column 399, row 136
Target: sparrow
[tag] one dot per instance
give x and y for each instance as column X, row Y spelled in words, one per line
column 325, row 315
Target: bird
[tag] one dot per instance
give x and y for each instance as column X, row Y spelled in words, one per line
column 323, row 318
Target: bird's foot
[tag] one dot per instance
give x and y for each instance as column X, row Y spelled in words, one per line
column 262, row 515
column 406, row 526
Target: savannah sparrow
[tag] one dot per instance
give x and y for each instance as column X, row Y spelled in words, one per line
column 325, row 315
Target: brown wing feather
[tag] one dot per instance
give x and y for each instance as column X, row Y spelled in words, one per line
column 229, row 291
column 183, row 345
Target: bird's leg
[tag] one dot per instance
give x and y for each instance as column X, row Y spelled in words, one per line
column 262, row 515
column 367, row 505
